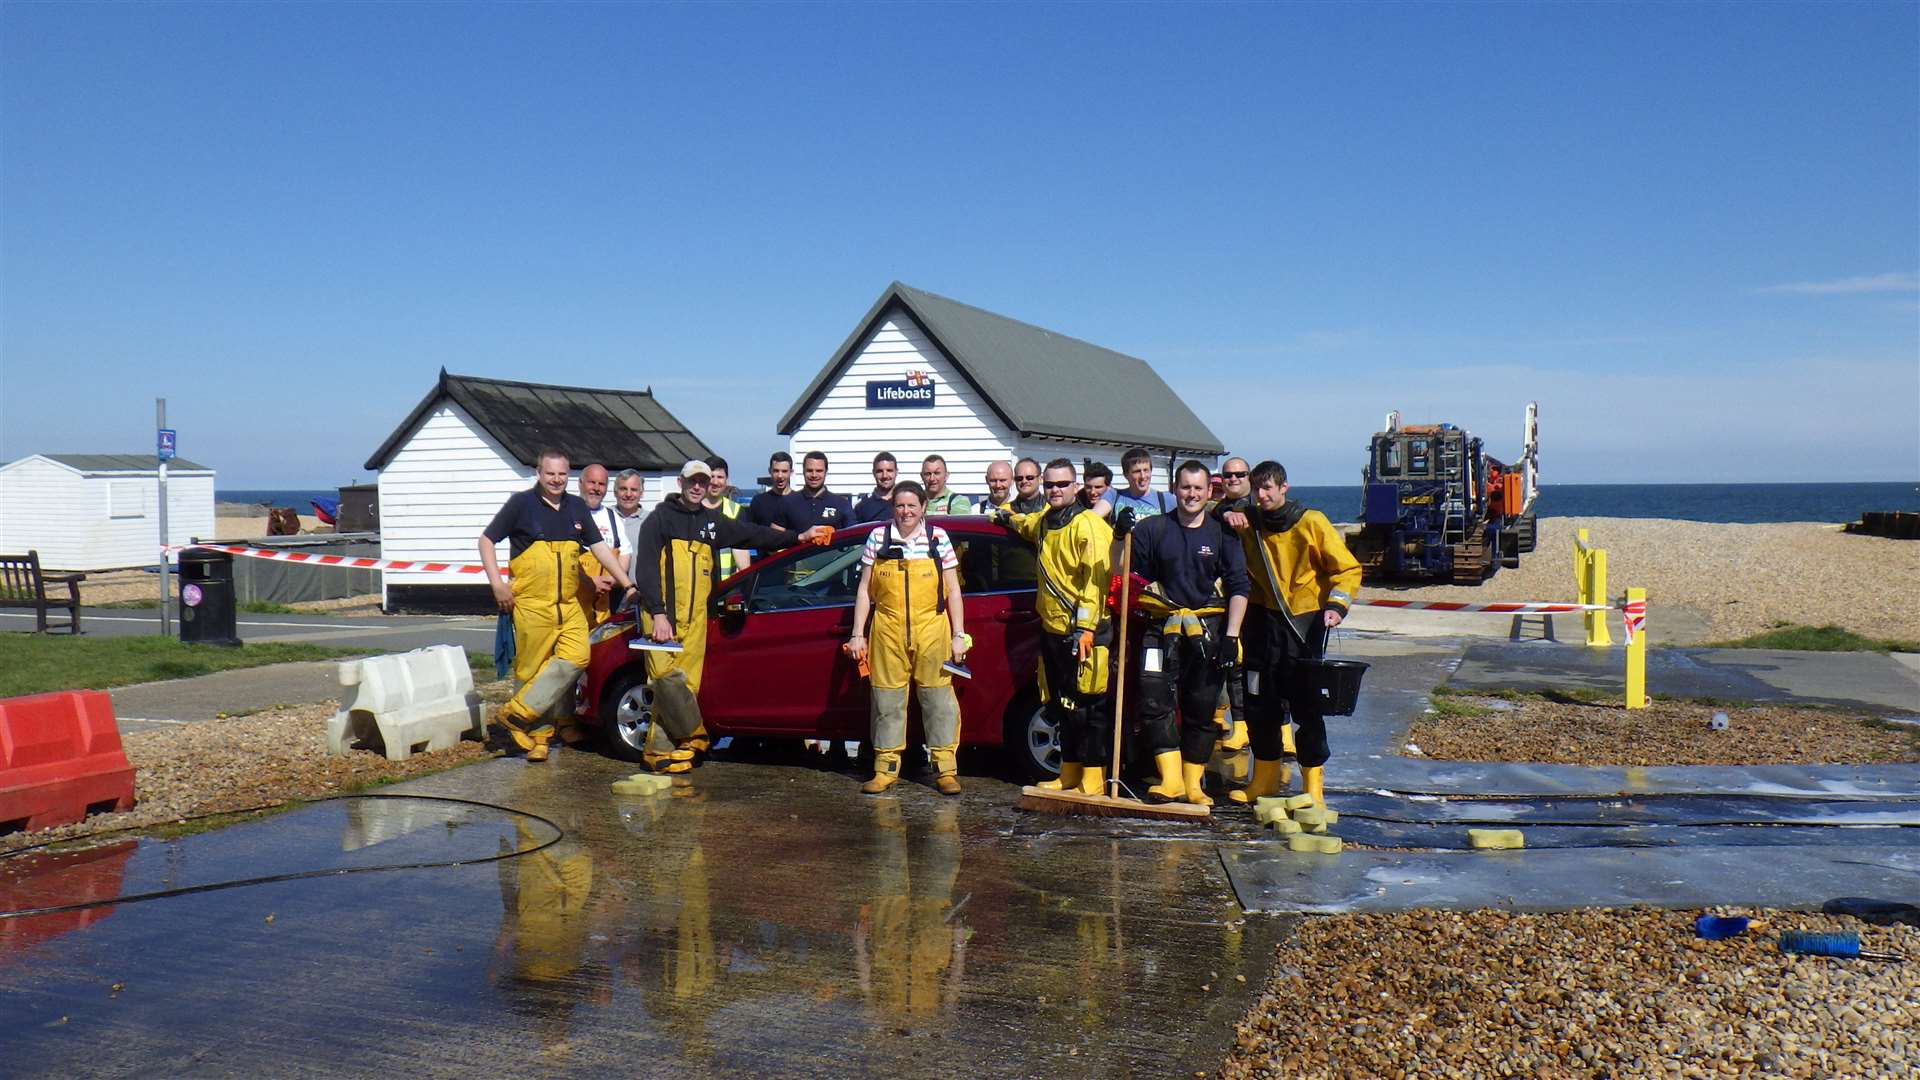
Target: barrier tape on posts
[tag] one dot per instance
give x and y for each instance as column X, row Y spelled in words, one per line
column 349, row 562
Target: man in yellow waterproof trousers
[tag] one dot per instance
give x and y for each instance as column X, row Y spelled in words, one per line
column 546, row 529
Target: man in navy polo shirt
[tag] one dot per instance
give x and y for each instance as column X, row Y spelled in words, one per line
column 813, row 504
column 546, row 529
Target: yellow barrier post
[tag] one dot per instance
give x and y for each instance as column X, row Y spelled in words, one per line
column 1590, row 577
column 1637, row 651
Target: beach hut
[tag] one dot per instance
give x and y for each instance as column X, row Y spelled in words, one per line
column 471, row 442
column 922, row 374
column 100, row 511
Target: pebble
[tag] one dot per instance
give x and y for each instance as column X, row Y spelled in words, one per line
column 1593, row 993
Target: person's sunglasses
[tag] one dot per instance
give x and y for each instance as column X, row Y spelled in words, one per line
column 1028, row 479
column 1234, row 475
column 1059, row 483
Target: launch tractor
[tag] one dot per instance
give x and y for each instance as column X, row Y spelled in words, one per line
column 1436, row 506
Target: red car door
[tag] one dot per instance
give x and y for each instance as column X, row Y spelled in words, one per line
column 774, row 664
column 997, row 580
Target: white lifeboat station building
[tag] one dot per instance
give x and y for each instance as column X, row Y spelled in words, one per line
column 922, row 374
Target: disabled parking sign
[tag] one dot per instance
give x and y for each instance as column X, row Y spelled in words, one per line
column 169, row 438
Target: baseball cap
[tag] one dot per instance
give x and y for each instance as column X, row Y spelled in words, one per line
column 695, row 468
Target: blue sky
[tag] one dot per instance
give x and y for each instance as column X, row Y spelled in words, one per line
column 1691, row 231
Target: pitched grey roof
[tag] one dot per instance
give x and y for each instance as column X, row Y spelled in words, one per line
column 120, row 462
column 621, row 429
column 1040, row 382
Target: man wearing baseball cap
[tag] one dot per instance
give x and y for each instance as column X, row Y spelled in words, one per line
column 673, row 572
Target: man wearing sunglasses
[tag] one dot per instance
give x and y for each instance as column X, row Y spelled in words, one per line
column 1236, row 498
column 673, row 572
column 1075, row 560
column 1026, row 487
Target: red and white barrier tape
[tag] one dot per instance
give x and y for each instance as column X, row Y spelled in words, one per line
column 1515, row 607
column 1635, row 614
column 348, row 561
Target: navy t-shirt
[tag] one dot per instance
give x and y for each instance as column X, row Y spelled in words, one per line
column 526, row 518
column 800, row 511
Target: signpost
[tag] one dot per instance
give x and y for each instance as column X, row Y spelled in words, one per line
column 164, row 450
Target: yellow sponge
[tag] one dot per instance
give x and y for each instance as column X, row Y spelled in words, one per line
column 642, row 784
column 1495, row 839
column 1295, row 802
column 1266, row 812
column 1284, row 825
column 1322, row 845
column 1315, row 815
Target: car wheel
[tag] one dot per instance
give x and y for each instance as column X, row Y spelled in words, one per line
column 626, row 712
column 1032, row 741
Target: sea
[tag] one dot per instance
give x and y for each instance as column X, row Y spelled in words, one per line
column 1741, row 503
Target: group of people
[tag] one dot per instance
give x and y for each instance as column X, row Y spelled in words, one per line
column 1235, row 584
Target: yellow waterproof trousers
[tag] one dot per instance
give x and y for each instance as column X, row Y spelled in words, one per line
column 549, row 630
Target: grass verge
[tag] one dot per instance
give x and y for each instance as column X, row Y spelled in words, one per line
column 1816, row 639
column 38, row 664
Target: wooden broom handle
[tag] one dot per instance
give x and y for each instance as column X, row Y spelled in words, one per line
column 1120, row 689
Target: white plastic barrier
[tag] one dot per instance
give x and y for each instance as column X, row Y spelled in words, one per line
column 406, row 699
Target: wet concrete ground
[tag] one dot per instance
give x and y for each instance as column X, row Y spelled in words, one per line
column 763, row 919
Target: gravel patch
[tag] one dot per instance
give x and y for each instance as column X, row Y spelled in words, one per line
column 268, row 757
column 1742, row 579
column 1580, row 994
column 1537, row 729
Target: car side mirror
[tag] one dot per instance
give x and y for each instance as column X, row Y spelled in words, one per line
column 733, row 604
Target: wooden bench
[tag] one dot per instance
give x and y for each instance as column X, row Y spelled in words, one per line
column 24, row 585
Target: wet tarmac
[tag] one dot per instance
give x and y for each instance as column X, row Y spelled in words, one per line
column 763, row 919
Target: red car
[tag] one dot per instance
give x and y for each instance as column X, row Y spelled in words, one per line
column 774, row 667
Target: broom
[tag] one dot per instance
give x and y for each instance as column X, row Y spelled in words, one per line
column 1067, row 803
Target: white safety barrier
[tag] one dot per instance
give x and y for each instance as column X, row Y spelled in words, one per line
column 406, row 699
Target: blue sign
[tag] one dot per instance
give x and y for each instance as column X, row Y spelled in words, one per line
column 168, row 439
column 900, row 393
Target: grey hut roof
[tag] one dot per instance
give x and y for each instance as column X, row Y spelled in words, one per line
column 1040, row 382
column 122, row 463
column 621, row 429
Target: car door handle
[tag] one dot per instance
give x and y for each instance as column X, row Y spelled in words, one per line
column 1017, row 616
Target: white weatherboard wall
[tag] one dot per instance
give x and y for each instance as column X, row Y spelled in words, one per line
column 98, row 520
column 443, row 486
column 960, row 426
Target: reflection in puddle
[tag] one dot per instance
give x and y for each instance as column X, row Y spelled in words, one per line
column 909, row 945
column 53, row 879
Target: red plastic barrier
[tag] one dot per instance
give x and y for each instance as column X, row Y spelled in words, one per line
column 60, row 760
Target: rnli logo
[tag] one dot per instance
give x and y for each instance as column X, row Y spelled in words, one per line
column 918, row 378
column 830, row 512
column 1206, row 550
column 709, row 532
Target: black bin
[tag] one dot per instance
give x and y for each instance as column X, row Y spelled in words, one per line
column 206, row 598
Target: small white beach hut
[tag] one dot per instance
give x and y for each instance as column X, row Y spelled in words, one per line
column 471, row 442
column 100, row 511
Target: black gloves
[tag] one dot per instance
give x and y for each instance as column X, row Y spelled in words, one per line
column 1002, row 518
column 1227, row 656
column 1123, row 520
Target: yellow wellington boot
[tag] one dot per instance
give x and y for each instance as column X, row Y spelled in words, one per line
column 1287, row 749
column 1195, row 778
column 1093, row 780
column 538, row 751
column 1266, row 781
column 946, row 769
column 1171, row 787
column 1310, row 782
column 1068, row 780
column 886, row 771
column 1235, row 740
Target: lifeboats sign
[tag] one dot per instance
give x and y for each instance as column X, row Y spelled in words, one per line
column 913, row 392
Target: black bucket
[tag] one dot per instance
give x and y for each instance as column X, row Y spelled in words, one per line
column 1335, row 684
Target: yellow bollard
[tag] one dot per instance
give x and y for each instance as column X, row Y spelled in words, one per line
column 1637, row 656
column 1590, row 577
